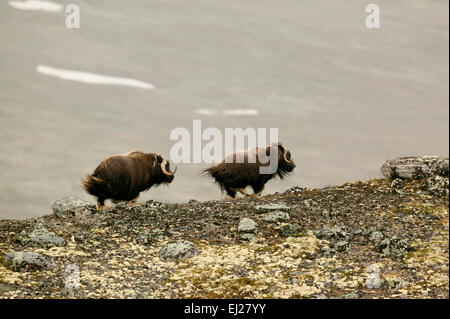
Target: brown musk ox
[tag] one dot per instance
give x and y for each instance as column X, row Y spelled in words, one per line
column 122, row 177
column 241, row 169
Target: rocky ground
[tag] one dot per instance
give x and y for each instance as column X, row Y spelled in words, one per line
column 380, row 238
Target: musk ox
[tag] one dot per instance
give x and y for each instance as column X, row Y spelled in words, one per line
column 234, row 175
column 122, row 177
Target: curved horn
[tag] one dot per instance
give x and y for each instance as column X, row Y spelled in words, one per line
column 284, row 156
column 163, row 168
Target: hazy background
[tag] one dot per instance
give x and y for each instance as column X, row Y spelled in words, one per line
column 345, row 98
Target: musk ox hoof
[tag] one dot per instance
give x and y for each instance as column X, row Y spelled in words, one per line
column 243, row 191
column 102, row 207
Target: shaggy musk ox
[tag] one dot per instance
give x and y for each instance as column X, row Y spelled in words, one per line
column 234, row 175
column 122, row 177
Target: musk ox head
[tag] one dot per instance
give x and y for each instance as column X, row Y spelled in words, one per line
column 285, row 161
column 167, row 175
column 275, row 159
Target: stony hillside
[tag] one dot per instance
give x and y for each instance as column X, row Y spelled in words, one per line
column 380, row 238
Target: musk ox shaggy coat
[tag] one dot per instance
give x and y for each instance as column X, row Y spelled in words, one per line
column 122, row 177
column 234, row 175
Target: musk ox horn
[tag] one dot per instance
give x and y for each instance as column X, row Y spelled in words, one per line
column 284, row 156
column 163, row 168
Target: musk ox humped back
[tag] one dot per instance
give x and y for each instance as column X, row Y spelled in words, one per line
column 122, row 177
column 242, row 169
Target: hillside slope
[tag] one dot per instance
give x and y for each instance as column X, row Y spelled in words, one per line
column 372, row 239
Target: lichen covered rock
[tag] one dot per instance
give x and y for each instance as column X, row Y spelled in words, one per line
column 178, row 250
column 394, row 246
column 291, row 230
column 247, row 225
column 437, row 185
column 415, row 167
column 335, row 233
column 70, row 205
column 27, row 261
column 40, row 237
column 270, row 207
column 247, row 229
column 275, row 216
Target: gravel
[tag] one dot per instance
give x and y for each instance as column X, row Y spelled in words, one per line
column 230, row 249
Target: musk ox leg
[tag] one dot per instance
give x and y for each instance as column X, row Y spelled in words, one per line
column 257, row 190
column 230, row 192
column 255, row 195
column 101, row 205
column 243, row 191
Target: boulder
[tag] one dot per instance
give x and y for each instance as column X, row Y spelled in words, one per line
column 70, row 205
column 393, row 246
column 415, row 167
column 263, row 208
column 276, row 216
column 335, row 233
column 338, row 235
column 396, row 185
column 247, row 225
column 27, row 261
column 247, row 228
column 437, row 185
column 290, row 230
column 178, row 250
column 40, row 237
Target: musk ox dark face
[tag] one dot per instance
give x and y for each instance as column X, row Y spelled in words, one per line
column 167, row 174
column 122, row 177
column 285, row 162
column 242, row 169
